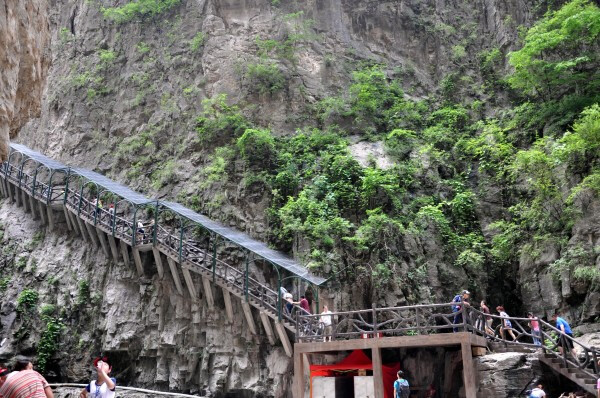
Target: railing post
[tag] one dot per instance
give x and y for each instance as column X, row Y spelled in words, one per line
column 246, row 276
column 214, row 258
column 298, row 331
column 564, row 351
column 463, row 309
column 374, row 308
column 418, row 324
column 595, row 359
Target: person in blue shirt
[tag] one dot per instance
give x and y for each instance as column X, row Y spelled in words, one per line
column 565, row 330
column 458, row 316
column 401, row 386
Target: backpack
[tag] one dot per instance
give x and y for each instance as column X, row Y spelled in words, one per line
column 402, row 389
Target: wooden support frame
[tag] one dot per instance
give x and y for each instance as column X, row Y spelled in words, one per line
column 285, row 340
column 125, row 253
column 103, row 242
column 228, row 304
column 11, row 191
column 266, row 322
column 175, row 274
column 249, row 317
column 158, row 261
column 92, row 234
column 67, row 218
column 377, row 372
column 113, row 248
column 50, row 212
column 190, row 283
column 208, row 293
column 82, row 229
column 43, row 213
column 468, row 370
column 33, row 207
column 23, row 199
column 137, row 259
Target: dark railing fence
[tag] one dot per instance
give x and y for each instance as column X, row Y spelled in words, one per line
column 435, row 318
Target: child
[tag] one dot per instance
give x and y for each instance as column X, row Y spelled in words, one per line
column 103, row 386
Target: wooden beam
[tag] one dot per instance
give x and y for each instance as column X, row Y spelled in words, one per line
column 468, row 370
column 103, row 242
column 267, row 326
column 43, row 213
column 92, row 234
column 82, row 228
column 210, row 300
column 3, row 188
column 190, row 283
column 137, row 259
column 50, row 213
column 299, row 383
column 431, row 340
column 125, row 253
column 285, row 341
column 113, row 248
column 228, row 306
column 377, row 372
column 158, row 261
column 11, row 191
column 249, row 317
column 33, row 206
column 21, row 200
column 67, row 218
column 175, row 274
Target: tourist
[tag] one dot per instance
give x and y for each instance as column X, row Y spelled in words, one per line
column 3, row 374
column 456, row 308
column 401, row 386
column 505, row 324
column 140, row 230
column 304, row 304
column 103, row 386
column 327, row 323
column 487, row 321
column 565, row 330
column 25, row 382
column 537, row 392
column 536, row 333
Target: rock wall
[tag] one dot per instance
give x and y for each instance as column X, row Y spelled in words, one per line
column 24, row 61
column 154, row 336
column 505, row 374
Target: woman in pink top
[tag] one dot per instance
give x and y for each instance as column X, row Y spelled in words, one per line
column 536, row 333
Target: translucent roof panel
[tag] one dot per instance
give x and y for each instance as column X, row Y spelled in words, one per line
column 120, row 190
column 246, row 242
column 38, row 157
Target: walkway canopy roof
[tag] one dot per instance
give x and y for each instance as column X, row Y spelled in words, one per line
column 124, row 192
column 38, row 157
column 245, row 241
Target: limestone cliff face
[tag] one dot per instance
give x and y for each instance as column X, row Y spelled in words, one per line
column 24, row 61
column 154, row 336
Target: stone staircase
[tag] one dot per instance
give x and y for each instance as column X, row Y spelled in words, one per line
column 552, row 360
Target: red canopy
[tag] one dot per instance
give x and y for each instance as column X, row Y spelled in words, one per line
column 358, row 360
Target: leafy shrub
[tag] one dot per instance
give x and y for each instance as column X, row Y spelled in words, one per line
column 264, row 77
column 27, row 300
column 400, row 143
column 257, row 147
column 220, row 121
column 138, row 9
column 197, row 41
column 49, row 341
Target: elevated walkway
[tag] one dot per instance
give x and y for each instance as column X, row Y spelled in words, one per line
column 194, row 250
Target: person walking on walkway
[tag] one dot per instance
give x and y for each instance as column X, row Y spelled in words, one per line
column 536, row 333
column 304, row 304
column 506, row 323
column 25, row 382
column 485, row 323
column 463, row 297
column 401, row 386
column 327, row 323
column 104, row 386
column 565, row 331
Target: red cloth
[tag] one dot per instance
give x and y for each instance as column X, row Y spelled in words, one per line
column 358, row 360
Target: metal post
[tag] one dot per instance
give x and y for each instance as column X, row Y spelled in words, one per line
column 246, row 275
column 80, row 199
column 317, row 297
column 114, row 218
column 374, row 320
column 279, row 295
column 155, row 224
column 214, row 257
column 134, row 228
column 181, row 241
column 34, row 181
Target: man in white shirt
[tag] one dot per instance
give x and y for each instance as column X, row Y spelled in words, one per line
column 327, row 323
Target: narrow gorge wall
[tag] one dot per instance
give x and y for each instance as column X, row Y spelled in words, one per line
column 24, row 61
column 155, row 337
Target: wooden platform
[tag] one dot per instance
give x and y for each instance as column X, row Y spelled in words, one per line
column 465, row 340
